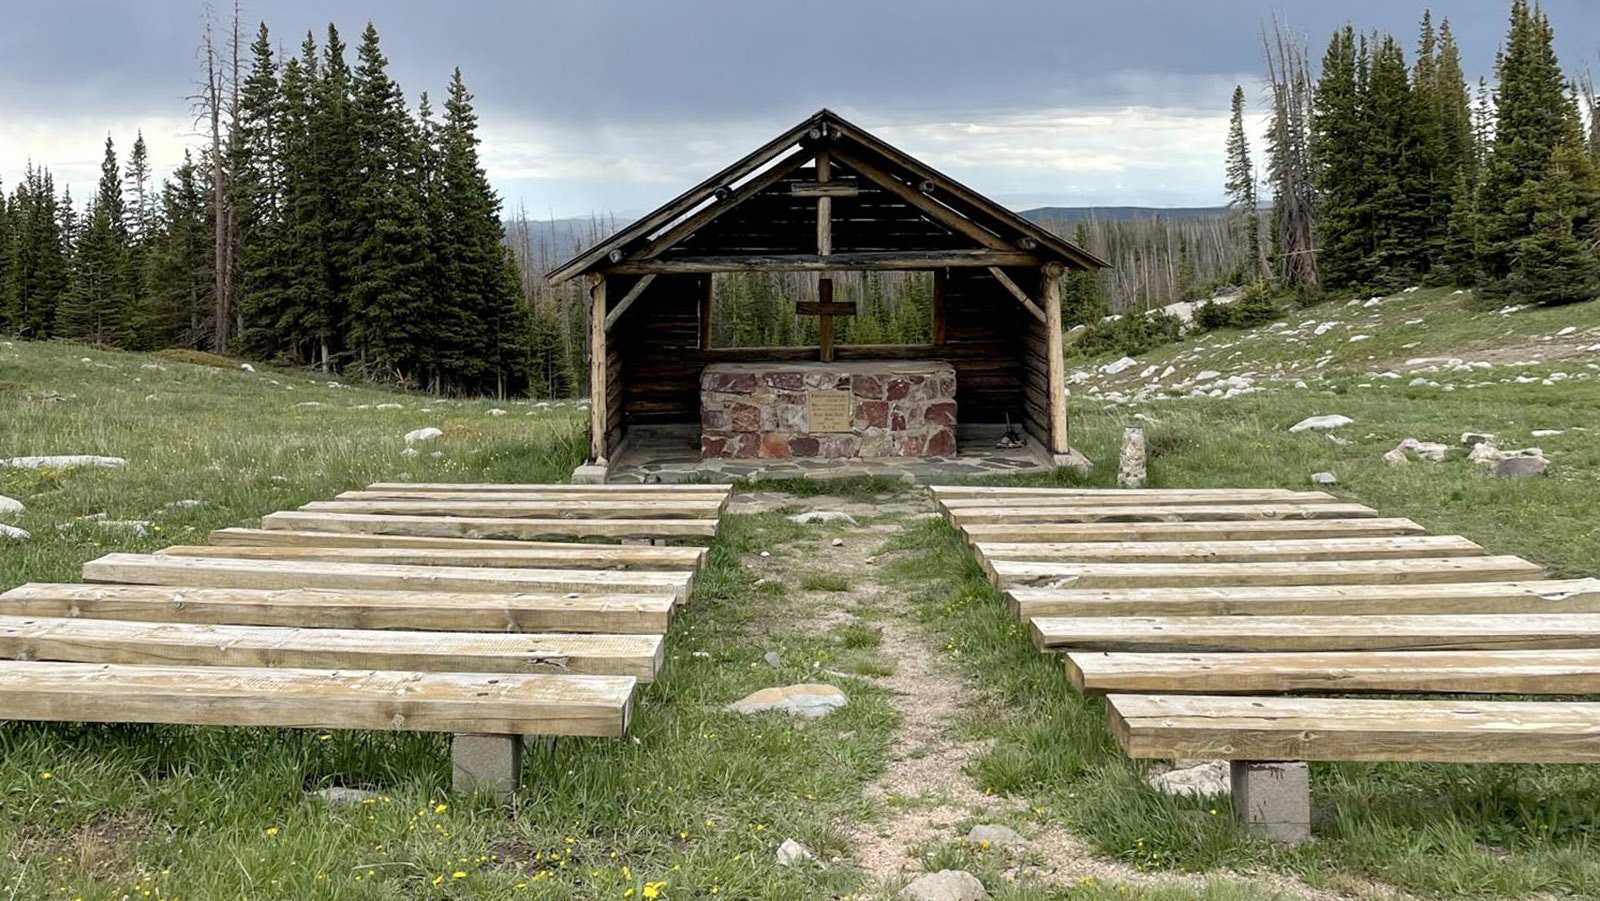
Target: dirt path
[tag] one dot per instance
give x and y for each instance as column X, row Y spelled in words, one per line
column 925, row 792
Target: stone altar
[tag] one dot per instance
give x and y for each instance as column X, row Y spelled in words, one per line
column 833, row 410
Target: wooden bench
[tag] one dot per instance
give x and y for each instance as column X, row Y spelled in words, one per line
column 440, row 617
column 487, row 527
column 189, row 644
column 1249, row 530
column 527, row 555
column 1319, row 633
column 1541, row 672
column 331, row 608
column 208, row 572
column 1554, row 596
column 963, row 515
column 1229, row 551
column 1266, row 740
column 1008, row 573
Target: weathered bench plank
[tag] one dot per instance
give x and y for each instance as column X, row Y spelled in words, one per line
column 666, row 489
column 1155, row 513
column 550, row 556
column 504, row 704
column 640, row 494
column 326, row 608
column 488, row 527
column 1371, row 527
column 206, row 572
column 1231, row 551
column 955, row 503
column 186, row 644
column 1541, row 672
column 1007, row 573
column 672, row 508
column 1256, row 728
column 1205, row 495
column 1555, row 596
column 1320, row 633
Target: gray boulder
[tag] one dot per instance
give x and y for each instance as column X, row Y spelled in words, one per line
column 1517, row 467
column 989, row 835
column 945, row 885
column 807, row 700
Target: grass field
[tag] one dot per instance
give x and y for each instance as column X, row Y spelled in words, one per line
column 694, row 803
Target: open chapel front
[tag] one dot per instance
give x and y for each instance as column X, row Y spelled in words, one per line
column 821, row 200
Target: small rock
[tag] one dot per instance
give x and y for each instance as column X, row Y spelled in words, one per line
column 1324, row 328
column 1206, row 375
column 339, row 795
column 1537, row 433
column 1332, row 421
column 1355, row 338
column 945, row 885
column 497, row 412
column 427, row 434
column 1131, row 466
column 185, row 504
column 10, row 506
column 68, row 461
column 12, row 533
column 138, row 527
column 247, row 367
column 1516, row 467
column 773, row 659
column 389, row 407
column 1426, row 450
column 1203, row 779
column 411, row 452
column 808, row 700
column 1119, row 366
column 811, row 517
column 1473, row 439
column 1566, row 331
column 995, row 836
column 792, row 852
column 1324, row 478
column 766, row 553
column 437, row 454
column 1396, row 457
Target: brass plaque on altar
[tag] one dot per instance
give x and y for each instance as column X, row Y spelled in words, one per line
column 828, row 411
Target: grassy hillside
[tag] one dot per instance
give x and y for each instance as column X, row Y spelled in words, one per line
column 1419, row 365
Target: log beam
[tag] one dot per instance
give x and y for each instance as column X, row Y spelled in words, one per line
column 627, row 300
column 929, row 207
column 597, row 371
column 843, row 262
column 721, row 205
column 1051, row 301
column 1021, row 295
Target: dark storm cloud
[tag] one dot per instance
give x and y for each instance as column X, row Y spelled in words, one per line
column 607, row 60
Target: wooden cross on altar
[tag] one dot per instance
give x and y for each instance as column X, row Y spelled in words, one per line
column 825, row 309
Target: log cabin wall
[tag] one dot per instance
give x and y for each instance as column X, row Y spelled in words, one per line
column 656, row 359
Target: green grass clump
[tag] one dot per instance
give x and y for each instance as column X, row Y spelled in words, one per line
column 195, row 357
column 821, row 581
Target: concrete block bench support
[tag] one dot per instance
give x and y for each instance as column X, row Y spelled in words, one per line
column 482, row 762
column 1272, row 799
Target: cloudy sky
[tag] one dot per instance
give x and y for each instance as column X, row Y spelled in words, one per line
column 595, row 106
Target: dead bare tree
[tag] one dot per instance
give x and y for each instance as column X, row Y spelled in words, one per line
column 1289, row 169
column 216, row 112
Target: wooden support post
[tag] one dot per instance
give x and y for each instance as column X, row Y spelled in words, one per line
column 1050, row 299
column 706, row 293
column 825, row 323
column 941, row 284
column 824, row 208
column 598, row 393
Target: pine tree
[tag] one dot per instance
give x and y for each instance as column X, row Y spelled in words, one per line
column 266, row 265
column 1241, row 187
column 1401, row 196
column 7, row 252
column 1553, row 264
column 1534, row 116
column 38, row 270
column 1342, row 162
column 471, row 249
column 334, row 169
column 1083, row 297
column 291, row 313
column 178, row 275
column 389, row 264
column 97, row 304
column 140, row 203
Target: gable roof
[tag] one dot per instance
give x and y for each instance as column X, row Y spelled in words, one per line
column 680, row 217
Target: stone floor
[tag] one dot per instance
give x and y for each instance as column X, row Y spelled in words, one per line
column 673, row 455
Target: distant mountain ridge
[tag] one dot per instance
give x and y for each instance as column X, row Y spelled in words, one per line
column 553, row 240
column 1120, row 213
